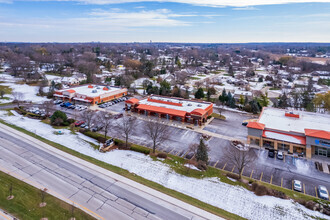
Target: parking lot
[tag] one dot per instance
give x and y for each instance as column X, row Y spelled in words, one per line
column 270, row 170
column 231, row 127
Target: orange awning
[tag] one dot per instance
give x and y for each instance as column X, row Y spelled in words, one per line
column 162, row 110
column 198, row 111
column 132, row 101
column 256, row 125
column 317, row 133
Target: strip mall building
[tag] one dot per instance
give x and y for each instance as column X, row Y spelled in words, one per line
column 90, row 94
column 190, row 111
column 295, row 132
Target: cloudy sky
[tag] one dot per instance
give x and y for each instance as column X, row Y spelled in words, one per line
column 204, row 21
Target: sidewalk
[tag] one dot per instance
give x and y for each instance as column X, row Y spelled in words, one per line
column 5, row 216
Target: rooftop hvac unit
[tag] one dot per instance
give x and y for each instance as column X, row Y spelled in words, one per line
column 189, row 104
column 94, row 91
column 199, row 105
column 98, row 87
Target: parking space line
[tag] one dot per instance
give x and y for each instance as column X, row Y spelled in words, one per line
column 262, row 173
column 223, row 168
column 284, row 158
column 177, row 153
column 242, row 170
column 316, row 193
column 271, row 179
column 292, row 184
column 233, row 169
column 282, row 182
column 171, row 151
column 216, row 163
column 164, row 150
column 304, row 188
column 186, row 153
column 251, row 174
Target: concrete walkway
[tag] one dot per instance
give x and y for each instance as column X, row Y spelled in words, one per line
column 165, row 200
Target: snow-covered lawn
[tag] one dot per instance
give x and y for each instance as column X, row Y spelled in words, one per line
column 30, row 92
column 210, row 190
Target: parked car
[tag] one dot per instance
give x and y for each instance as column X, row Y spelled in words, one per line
column 245, row 123
column 97, row 128
column 83, row 125
column 297, row 185
column 271, row 153
column 280, row 155
column 323, row 192
column 109, row 142
column 79, row 123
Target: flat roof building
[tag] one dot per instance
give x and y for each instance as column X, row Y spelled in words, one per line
column 191, row 111
column 298, row 132
column 90, row 94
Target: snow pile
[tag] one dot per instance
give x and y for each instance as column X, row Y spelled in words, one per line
column 190, row 166
column 210, row 190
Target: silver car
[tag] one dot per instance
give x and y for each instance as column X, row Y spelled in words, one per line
column 297, row 185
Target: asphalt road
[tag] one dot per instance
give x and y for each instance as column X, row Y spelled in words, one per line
column 103, row 195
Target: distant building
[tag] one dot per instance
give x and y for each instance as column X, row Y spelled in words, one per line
column 185, row 110
column 90, row 94
column 294, row 132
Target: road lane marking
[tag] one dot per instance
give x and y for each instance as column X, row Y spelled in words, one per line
column 271, row 179
column 223, row 168
column 186, row 153
column 233, row 169
column 282, row 182
column 216, row 163
column 251, row 174
column 262, row 173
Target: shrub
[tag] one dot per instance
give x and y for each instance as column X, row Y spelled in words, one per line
column 254, row 186
column 140, row 149
column 71, row 120
column 58, row 114
column 162, row 155
column 201, row 165
column 101, row 139
column 233, row 175
column 261, row 190
column 65, row 123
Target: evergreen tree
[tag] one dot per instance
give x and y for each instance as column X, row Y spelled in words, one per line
column 229, row 98
column 202, row 152
column 223, row 97
column 283, row 101
column 199, row 94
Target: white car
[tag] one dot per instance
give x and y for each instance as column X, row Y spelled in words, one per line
column 297, row 185
column 323, row 192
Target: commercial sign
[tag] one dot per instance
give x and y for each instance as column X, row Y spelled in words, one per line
column 322, row 142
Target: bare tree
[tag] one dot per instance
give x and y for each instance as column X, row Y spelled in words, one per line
column 48, row 106
column 105, row 119
column 126, row 126
column 18, row 97
column 157, row 131
column 240, row 158
column 88, row 116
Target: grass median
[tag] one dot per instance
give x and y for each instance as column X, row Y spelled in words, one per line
column 125, row 173
column 26, row 202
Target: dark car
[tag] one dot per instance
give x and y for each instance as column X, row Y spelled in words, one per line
column 271, row 153
column 245, row 123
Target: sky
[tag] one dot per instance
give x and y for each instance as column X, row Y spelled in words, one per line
column 203, row 21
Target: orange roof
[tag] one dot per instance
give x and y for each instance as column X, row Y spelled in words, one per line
column 132, row 101
column 198, row 111
column 162, row 110
column 317, row 133
column 71, row 91
column 256, row 125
